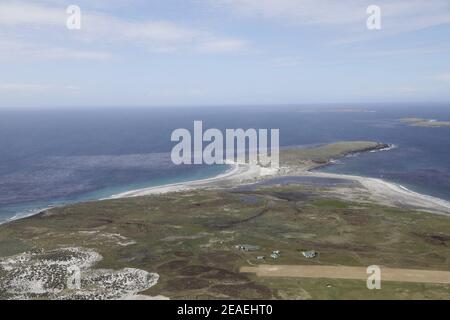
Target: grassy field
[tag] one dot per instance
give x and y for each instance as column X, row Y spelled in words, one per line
column 189, row 239
column 323, row 154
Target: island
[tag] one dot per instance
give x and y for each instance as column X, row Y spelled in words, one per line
column 418, row 122
column 253, row 233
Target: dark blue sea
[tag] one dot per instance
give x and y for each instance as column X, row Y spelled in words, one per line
column 51, row 157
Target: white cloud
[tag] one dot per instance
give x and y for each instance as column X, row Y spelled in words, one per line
column 397, row 16
column 287, row 62
column 28, row 88
column 65, row 53
column 421, row 50
column 222, row 46
column 101, row 29
column 17, row 49
column 445, row 77
column 20, row 13
column 300, row 11
column 177, row 93
column 405, row 90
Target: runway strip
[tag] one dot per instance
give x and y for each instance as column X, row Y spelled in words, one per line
column 355, row 273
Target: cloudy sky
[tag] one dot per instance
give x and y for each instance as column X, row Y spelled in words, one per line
column 222, row 52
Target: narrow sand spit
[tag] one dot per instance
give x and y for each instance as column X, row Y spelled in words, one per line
column 391, row 194
column 372, row 189
column 239, row 173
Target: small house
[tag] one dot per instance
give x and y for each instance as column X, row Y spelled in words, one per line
column 309, row 254
column 275, row 254
column 247, row 247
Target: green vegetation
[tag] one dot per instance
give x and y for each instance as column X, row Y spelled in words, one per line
column 189, row 239
column 323, row 154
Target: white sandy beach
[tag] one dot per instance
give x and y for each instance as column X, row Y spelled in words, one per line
column 181, row 186
column 237, row 174
column 372, row 189
column 391, row 194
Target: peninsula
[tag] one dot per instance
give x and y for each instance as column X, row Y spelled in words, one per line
column 204, row 239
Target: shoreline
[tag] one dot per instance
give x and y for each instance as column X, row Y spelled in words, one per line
column 183, row 186
column 379, row 191
column 393, row 194
column 35, row 212
column 237, row 174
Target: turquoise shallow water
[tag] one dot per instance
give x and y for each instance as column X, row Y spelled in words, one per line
column 16, row 211
column 54, row 157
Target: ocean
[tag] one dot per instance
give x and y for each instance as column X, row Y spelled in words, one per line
column 52, row 157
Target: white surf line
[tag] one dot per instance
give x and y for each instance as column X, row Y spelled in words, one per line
column 401, row 189
column 26, row 214
column 179, row 186
column 385, row 189
column 391, row 147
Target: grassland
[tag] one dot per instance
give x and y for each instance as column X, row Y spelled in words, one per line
column 323, row 154
column 189, row 239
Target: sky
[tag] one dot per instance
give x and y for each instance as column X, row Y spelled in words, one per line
column 222, row 52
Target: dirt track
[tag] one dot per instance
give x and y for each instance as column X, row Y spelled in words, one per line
column 358, row 273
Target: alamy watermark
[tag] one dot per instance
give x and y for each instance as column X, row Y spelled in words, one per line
column 74, row 19
column 374, row 20
column 238, row 145
column 74, row 278
column 374, row 279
